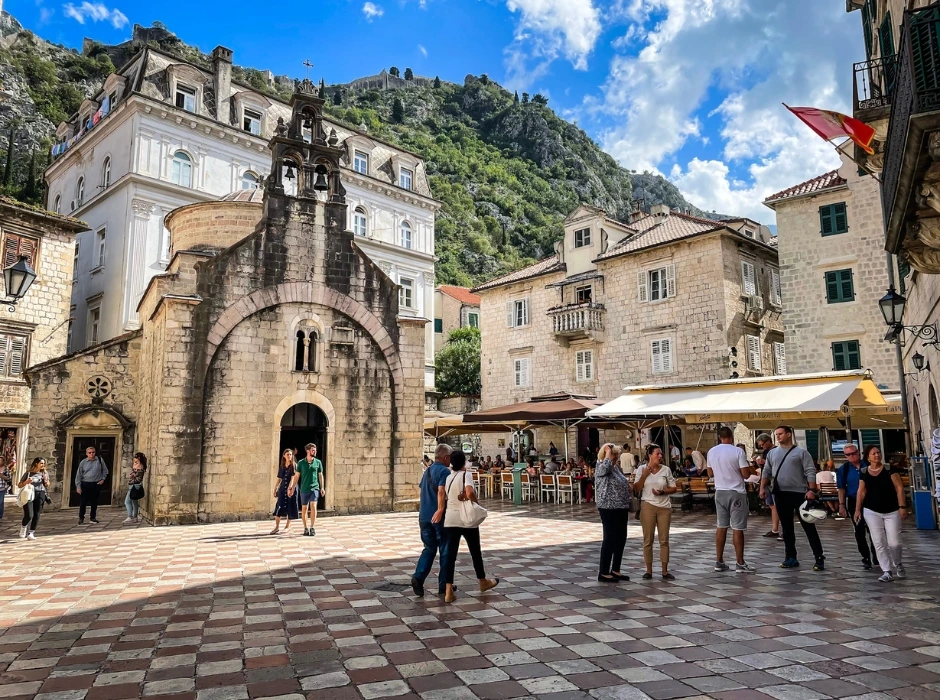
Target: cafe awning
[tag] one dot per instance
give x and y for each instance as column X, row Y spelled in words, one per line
column 438, row 424
column 549, row 408
column 813, row 399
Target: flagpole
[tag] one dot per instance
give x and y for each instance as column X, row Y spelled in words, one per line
column 862, row 166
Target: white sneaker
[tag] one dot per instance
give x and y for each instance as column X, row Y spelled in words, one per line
column 23, row 533
column 129, row 520
column 31, row 536
column 886, row 577
column 744, row 568
column 900, row 573
column 137, row 519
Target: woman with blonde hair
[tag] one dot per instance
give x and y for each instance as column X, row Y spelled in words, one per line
column 38, row 480
column 654, row 483
column 284, row 493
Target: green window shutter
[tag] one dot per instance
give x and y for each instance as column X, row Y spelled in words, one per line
column 841, row 219
column 868, row 15
column 838, row 357
column 904, row 269
column 846, row 286
column 886, row 36
column 832, row 287
column 839, row 286
column 438, row 325
column 812, row 443
column 871, row 437
column 825, row 220
column 853, row 355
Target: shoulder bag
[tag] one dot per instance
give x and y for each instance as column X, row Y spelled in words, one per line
column 137, row 492
column 26, row 494
column 772, row 482
column 471, row 514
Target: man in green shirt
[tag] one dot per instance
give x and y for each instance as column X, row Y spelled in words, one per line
column 309, row 471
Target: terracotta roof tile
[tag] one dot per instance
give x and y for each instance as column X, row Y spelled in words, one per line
column 817, row 184
column 542, row 267
column 656, row 230
column 461, row 294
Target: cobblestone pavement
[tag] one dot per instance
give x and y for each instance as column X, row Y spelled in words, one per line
column 228, row 612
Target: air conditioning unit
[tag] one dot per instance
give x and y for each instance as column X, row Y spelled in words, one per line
column 755, row 302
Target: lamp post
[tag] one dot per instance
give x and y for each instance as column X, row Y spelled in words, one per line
column 18, row 278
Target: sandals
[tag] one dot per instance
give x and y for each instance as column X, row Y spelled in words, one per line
column 668, row 577
column 274, row 531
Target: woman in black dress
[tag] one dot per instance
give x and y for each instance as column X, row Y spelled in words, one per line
column 284, row 493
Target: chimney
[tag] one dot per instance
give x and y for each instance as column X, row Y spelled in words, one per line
column 222, row 81
column 660, row 210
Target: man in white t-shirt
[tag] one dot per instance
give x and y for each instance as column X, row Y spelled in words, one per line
column 627, row 461
column 727, row 464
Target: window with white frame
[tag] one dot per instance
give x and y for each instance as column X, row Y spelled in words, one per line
column 521, row 374
column 404, row 178
column 57, row 204
column 359, row 222
column 406, row 292
column 106, row 173
column 776, row 292
column 249, row 181
column 94, row 323
column 657, row 284
column 517, row 313
column 584, row 294
column 182, row 171
column 186, row 97
column 405, row 235
column 753, row 352
column 780, row 359
column 473, row 319
column 661, row 356
column 251, row 121
column 13, row 348
column 100, row 238
column 582, row 238
column 80, row 191
column 361, row 162
column 748, row 278
column 112, row 99
column 584, row 365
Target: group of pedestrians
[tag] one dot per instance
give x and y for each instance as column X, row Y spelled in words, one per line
column 444, row 487
column 298, row 490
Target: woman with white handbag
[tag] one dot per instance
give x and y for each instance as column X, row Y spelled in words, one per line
column 462, row 518
column 32, row 496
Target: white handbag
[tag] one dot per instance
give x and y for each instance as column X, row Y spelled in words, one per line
column 25, row 495
column 471, row 514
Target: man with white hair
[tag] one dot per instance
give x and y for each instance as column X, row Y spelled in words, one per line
column 431, row 520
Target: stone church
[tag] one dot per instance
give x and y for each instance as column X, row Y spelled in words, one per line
column 269, row 329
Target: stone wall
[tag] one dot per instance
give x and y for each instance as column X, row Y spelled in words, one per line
column 812, row 324
column 211, row 225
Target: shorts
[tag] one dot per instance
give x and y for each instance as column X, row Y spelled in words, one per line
column 732, row 508
column 308, row 497
column 769, row 500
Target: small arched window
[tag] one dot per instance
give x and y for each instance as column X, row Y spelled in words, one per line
column 359, row 221
column 249, row 181
column 80, row 191
column 182, row 173
column 405, row 234
column 313, row 339
column 57, row 204
column 106, row 173
column 300, row 352
column 306, row 350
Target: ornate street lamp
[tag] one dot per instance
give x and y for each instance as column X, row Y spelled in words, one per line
column 18, row 278
column 919, row 363
column 892, row 308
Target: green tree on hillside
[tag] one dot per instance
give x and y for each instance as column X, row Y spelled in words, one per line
column 393, row 71
column 409, row 75
column 437, row 83
column 398, row 111
column 458, row 364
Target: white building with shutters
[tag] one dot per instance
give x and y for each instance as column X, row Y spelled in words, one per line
column 834, row 270
column 162, row 133
column 36, row 329
column 661, row 299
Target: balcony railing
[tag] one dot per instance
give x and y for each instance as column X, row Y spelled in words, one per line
column 874, row 83
column 577, row 319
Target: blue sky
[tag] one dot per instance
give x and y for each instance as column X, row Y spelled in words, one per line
column 688, row 88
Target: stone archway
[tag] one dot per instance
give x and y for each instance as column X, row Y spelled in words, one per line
column 322, row 404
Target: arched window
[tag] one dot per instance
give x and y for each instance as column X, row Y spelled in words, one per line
column 934, row 410
column 106, row 173
column 306, row 350
column 182, row 169
column 405, row 234
column 249, row 181
column 300, row 352
column 57, row 204
column 313, row 339
column 359, row 221
column 80, row 191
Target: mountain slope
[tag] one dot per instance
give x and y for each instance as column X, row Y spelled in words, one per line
column 507, row 170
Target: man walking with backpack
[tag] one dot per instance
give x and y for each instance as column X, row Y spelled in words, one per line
column 790, row 476
column 847, row 479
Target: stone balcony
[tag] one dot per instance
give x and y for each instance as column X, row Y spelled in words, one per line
column 575, row 321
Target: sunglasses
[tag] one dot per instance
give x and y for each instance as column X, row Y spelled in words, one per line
column 850, row 454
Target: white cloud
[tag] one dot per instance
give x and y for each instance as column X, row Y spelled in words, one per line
column 95, row 12
column 371, row 11
column 753, row 56
column 424, row 51
column 546, row 30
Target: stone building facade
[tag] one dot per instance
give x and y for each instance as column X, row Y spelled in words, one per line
column 662, row 299
column 269, row 329
column 34, row 329
column 454, row 307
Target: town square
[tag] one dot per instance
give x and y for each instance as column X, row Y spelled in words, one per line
column 558, row 355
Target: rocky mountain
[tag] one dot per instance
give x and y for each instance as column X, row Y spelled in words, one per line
column 506, row 168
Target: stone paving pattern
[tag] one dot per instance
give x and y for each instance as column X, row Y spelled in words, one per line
column 227, row 612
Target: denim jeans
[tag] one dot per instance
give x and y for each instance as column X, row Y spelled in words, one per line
column 434, row 541
column 133, row 507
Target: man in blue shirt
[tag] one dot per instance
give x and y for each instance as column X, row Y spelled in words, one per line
column 847, row 478
column 431, row 520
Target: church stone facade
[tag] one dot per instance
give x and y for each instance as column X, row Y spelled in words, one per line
column 270, row 328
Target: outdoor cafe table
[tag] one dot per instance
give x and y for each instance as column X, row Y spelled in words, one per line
column 486, row 484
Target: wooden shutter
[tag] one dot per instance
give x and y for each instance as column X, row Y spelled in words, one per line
column 832, row 287
column 871, row 437
column 525, row 312
column 840, row 217
column 510, row 314
column 825, row 220
column 642, row 282
column 657, row 357
column 886, row 37
column 776, row 293
column 665, row 347
column 866, row 28
column 17, row 357
column 780, row 358
column 14, row 246
column 4, row 353
column 838, row 356
column 853, row 355
column 753, row 352
column 904, row 269
column 748, row 277
column 525, row 372
column 812, row 443
column 846, row 288
column 670, row 281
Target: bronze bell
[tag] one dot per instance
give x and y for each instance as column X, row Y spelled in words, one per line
column 289, row 175
column 321, row 183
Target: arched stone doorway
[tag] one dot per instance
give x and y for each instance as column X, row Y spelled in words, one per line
column 934, row 411
column 303, row 423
